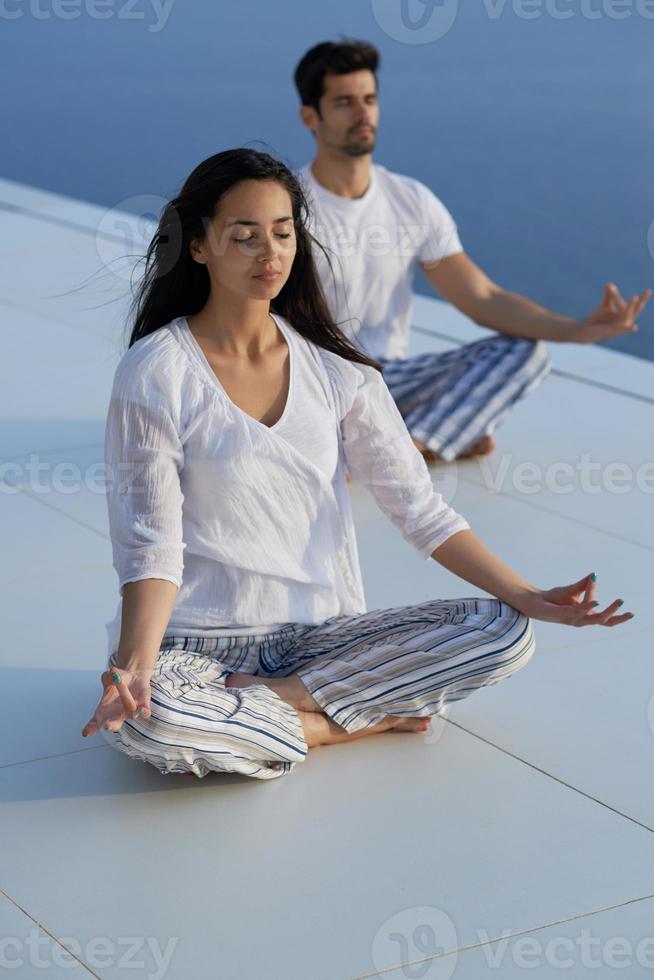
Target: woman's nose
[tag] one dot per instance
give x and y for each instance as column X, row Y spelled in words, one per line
column 268, row 250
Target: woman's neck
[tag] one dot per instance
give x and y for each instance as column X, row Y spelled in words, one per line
column 248, row 332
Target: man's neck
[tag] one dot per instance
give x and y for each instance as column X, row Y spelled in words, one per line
column 344, row 176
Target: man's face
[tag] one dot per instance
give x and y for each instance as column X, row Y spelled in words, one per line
column 349, row 113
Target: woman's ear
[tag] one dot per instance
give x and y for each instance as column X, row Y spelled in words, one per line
column 196, row 252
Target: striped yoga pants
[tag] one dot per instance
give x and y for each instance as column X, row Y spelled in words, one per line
column 450, row 399
column 408, row 661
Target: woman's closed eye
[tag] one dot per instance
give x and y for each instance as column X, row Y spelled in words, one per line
column 252, row 238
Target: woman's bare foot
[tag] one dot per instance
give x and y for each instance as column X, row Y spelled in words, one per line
column 320, row 729
column 290, row 689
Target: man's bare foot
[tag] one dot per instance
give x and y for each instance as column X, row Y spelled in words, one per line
column 320, row 729
column 482, row 447
column 290, row 689
column 427, row 454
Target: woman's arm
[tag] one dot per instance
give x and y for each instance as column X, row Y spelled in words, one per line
column 469, row 558
column 146, row 610
column 147, row 605
column 380, row 455
column 144, row 456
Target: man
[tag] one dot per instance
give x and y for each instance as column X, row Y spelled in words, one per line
column 376, row 225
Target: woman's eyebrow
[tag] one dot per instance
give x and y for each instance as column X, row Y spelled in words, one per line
column 275, row 222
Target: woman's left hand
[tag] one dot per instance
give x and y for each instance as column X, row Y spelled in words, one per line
column 572, row 605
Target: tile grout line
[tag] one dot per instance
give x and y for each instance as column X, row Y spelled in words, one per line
column 513, row 935
column 470, row 482
column 544, row 772
column 38, row 311
column 48, row 933
column 555, row 513
column 55, row 755
column 58, row 510
column 48, row 452
column 55, row 219
column 427, row 331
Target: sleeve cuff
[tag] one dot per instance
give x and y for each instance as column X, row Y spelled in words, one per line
column 442, row 535
column 167, row 576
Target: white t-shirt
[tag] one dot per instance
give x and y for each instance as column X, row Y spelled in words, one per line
column 375, row 243
column 254, row 523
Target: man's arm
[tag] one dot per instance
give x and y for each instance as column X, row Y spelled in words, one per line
column 463, row 284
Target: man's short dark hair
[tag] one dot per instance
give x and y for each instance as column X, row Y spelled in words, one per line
column 333, row 58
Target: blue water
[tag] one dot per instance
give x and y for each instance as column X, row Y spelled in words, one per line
column 536, row 131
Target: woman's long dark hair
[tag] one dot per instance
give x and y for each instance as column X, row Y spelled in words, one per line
column 174, row 284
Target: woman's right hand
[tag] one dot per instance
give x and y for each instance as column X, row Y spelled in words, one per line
column 126, row 695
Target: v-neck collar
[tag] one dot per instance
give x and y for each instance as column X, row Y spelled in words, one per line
column 200, row 359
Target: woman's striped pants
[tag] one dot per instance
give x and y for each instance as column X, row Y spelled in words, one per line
column 408, row 661
column 450, row 399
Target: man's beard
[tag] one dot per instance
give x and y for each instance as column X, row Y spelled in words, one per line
column 359, row 149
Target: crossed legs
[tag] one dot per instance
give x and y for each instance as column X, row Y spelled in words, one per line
column 319, row 728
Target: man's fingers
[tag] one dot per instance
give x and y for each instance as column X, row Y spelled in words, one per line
column 632, row 306
column 611, row 298
column 617, row 296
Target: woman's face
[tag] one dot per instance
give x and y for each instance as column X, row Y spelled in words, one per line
column 251, row 235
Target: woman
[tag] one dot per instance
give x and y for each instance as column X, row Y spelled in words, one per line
column 241, row 637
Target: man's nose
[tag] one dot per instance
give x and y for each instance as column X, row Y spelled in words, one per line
column 363, row 118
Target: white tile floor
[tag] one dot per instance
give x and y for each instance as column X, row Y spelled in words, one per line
column 514, row 837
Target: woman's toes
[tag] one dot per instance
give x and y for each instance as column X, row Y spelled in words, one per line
column 411, row 724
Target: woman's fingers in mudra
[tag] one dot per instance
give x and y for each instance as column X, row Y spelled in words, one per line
column 117, row 702
column 576, row 605
column 606, row 617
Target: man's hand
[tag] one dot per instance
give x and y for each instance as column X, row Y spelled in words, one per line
column 612, row 318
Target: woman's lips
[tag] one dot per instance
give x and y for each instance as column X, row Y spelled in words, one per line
column 268, row 276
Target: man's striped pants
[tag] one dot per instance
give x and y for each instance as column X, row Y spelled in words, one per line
column 450, row 399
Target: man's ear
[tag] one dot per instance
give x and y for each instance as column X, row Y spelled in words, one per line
column 308, row 116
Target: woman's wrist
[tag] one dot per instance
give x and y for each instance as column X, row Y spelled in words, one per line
column 525, row 599
column 135, row 660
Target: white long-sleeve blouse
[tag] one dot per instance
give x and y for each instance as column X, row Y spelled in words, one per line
column 253, row 522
